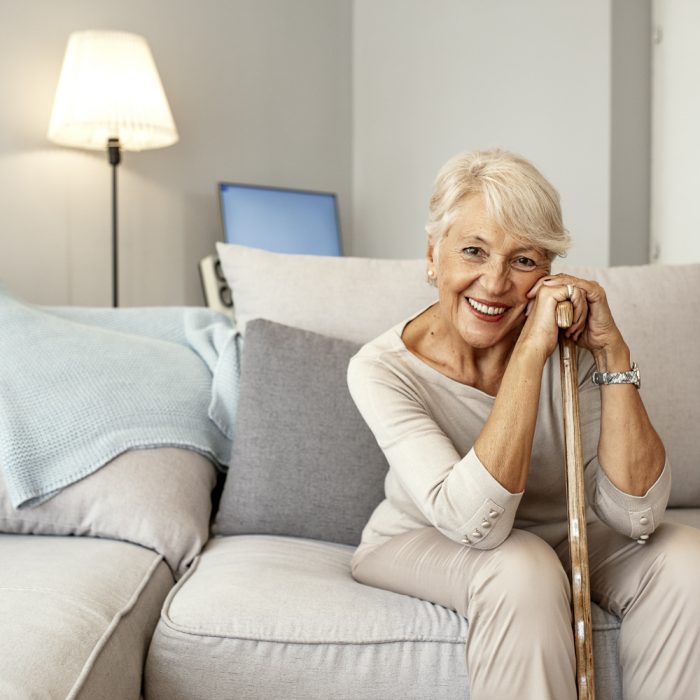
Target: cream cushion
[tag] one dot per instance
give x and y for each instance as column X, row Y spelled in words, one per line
column 350, row 298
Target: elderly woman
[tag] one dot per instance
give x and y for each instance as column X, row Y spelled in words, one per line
column 464, row 400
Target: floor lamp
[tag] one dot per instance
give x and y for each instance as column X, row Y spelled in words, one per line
column 109, row 95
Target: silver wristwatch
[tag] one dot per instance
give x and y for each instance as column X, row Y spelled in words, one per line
column 629, row 377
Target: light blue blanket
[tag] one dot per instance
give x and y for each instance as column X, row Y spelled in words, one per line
column 80, row 386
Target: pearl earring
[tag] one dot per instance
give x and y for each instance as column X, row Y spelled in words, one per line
column 431, row 273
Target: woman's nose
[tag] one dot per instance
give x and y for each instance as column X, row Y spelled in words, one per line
column 496, row 278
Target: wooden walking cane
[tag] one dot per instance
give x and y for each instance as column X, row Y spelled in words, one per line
column 576, row 506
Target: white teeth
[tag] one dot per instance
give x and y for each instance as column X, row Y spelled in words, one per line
column 489, row 310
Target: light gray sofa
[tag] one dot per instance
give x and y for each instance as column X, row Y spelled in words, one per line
column 268, row 609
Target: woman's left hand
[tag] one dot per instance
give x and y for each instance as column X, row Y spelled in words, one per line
column 594, row 327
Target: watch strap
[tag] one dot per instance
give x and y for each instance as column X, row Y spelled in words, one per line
column 629, row 377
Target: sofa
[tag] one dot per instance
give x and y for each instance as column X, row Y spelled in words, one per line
column 164, row 576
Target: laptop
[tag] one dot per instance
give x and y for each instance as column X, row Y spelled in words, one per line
column 277, row 219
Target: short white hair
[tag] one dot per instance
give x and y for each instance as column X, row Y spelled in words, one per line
column 517, row 196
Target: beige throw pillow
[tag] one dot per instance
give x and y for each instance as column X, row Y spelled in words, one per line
column 350, row 298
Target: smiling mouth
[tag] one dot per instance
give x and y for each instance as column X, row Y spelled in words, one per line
column 485, row 308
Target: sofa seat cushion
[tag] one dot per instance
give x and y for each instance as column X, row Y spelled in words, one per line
column 76, row 616
column 267, row 617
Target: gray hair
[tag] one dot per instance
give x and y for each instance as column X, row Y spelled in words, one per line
column 517, row 196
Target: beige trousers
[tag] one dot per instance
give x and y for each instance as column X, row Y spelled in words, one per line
column 517, row 600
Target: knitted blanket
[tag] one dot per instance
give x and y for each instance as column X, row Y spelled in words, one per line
column 79, row 386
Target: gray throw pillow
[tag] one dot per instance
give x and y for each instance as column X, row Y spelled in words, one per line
column 304, row 463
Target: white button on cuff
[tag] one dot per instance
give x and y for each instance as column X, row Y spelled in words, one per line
column 493, row 514
column 466, row 540
column 476, row 534
column 485, row 524
column 643, row 520
column 644, row 537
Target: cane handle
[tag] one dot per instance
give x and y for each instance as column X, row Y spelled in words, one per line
column 565, row 314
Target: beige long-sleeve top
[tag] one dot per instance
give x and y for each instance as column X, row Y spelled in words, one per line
column 426, row 424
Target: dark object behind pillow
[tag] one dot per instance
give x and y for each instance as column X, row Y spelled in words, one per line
column 304, row 463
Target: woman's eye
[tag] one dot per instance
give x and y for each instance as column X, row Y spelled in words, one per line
column 522, row 261
column 471, row 250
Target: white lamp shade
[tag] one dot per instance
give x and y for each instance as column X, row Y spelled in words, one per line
column 110, row 88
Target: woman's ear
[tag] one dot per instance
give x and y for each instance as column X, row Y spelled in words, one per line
column 431, row 259
column 431, row 253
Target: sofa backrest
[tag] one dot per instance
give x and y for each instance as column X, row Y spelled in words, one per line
column 358, row 298
column 654, row 306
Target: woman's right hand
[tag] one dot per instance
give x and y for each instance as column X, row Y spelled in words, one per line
column 541, row 332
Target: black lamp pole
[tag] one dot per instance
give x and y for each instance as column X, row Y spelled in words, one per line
column 114, row 159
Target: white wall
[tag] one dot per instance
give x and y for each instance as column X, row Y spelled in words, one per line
column 435, row 78
column 366, row 98
column 675, row 218
column 260, row 91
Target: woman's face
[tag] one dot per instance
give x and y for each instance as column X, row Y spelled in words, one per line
column 483, row 276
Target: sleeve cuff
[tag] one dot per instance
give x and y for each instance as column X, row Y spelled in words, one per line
column 634, row 516
column 493, row 518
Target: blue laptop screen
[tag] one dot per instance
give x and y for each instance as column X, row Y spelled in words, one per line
column 279, row 220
